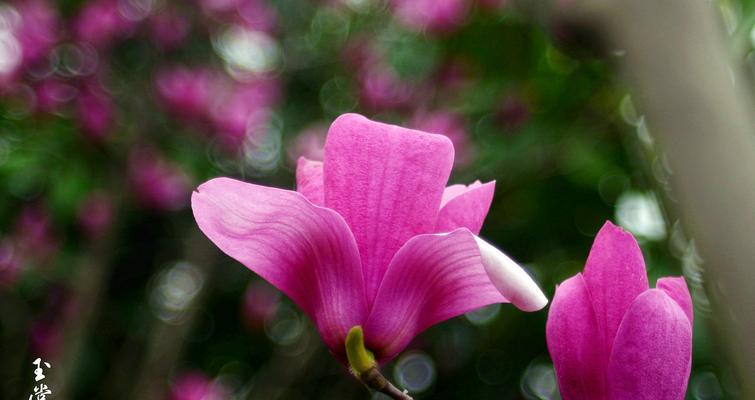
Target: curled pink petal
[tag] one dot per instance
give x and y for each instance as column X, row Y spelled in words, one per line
column 615, row 276
column 652, row 353
column 386, row 182
column 431, row 279
column 676, row 288
column 572, row 336
column 305, row 251
column 309, row 180
column 467, row 209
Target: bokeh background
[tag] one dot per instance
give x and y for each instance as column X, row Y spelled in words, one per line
column 112, row 111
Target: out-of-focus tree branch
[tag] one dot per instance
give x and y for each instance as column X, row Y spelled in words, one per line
column 167, row 341
column 697, row 105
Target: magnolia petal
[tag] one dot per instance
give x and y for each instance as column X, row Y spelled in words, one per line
column 309, row 180
column 305, row 251
column 465, row 209
column 454, row 190
column 432, row 278
column 615, row 275
column 387, row 182
column 652, row 354
column 676, row 288
column 510, row 279
column 572, row 335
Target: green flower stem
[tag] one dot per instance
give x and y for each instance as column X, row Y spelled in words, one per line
column 364, row 367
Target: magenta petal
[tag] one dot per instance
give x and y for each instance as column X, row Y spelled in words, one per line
column 431, row 279
column 466, row 209
column 309, row 180
column 572, row 337
column 652, row 354
column 305, row 251
column 387, row 182
column 676, row 288
column 615, row 275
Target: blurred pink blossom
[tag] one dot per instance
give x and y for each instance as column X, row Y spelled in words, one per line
column 187, row 92
column 100, row 22
column 38, row 30
column 51, row 94
column 437, row 16
column 453, row 75
column 244, row 111
column 196, row 386
column 9, row 268
column 34, row 236
column 309, row 143
column 95, row 111
column 47, row 329
column 156, row 183
column 95, row 213
column 513, row 112
column 382, row 89
column 253, row 14
column 169, row 28
column 493, row 4
column 46, row 337
column 260, row 304
column 450, row 125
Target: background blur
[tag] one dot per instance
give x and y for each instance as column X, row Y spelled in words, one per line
column 112, row 111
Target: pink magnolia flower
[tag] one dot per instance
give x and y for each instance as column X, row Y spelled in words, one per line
column 611, row 336
column 196, row 386
column 371, row 238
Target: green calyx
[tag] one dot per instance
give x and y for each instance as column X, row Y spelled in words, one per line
column 361, row 360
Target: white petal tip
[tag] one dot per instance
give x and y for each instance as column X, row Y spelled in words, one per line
column 511, row 279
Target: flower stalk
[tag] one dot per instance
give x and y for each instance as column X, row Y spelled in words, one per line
column 364, row 367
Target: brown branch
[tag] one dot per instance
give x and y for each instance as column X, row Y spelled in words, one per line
column 374, row 380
